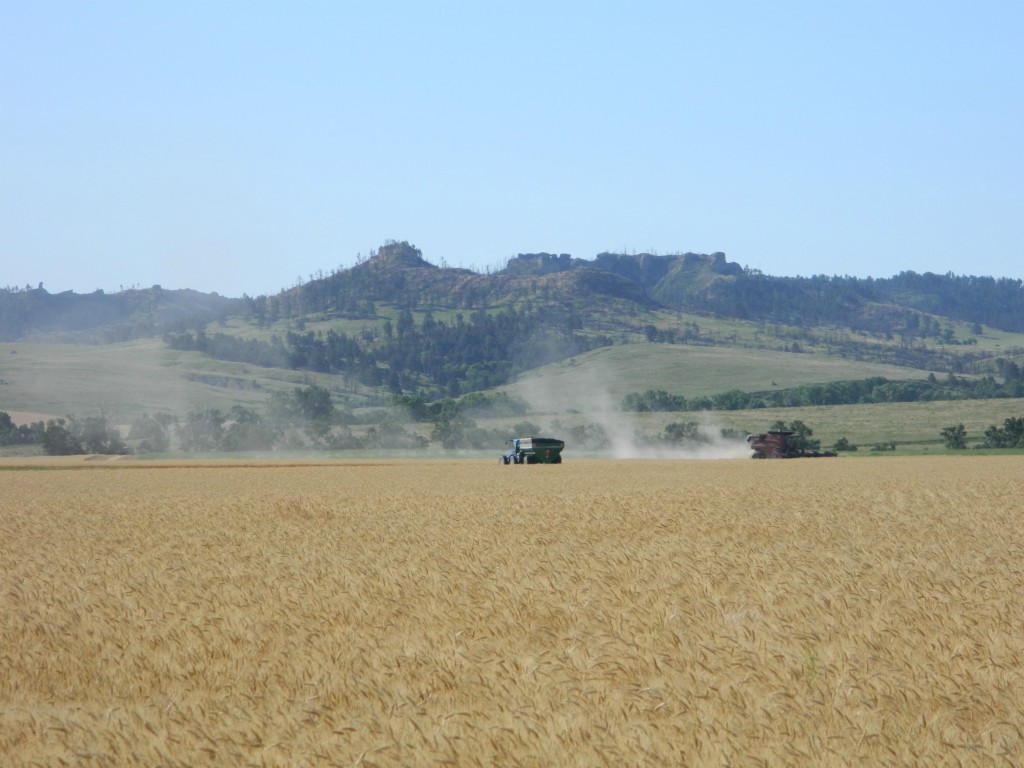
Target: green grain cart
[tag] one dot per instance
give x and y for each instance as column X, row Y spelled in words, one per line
column 534, row 450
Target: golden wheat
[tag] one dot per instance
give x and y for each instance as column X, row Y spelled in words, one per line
column 842, row 612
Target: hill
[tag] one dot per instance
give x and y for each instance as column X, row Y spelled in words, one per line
column 710, row 284
column 558, row 337
column 126, row 379
column 609, row 291
column 98, row 317
column 604, row 376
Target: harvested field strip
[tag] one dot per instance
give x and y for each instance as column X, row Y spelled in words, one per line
column 632, row 613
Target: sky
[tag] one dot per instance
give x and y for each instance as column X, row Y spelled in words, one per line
column 244, row 147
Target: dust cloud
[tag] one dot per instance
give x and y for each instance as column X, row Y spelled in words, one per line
column 596, row 405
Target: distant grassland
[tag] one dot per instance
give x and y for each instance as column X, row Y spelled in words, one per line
column 125, row 380
column 613, row 372
column 122, row 381
column 914, row 427
column 815, row 612
column 580, row 390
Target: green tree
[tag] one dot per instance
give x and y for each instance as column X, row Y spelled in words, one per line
column 9, row 434
column 1010, row 435
column 97, row 435
column 955, row 437
column 653, row 400
column 314, row 403
column 152, row 432
column 525, row 429
column 202, row 430
column 58, row 440
column 733, row 400
column 683, row 432
column 247, row 431
column 452, row 431
column 405, row 323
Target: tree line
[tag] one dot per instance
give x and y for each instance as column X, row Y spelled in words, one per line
column 307, row 418
column 304, row 418
column 310, row 418
column 443, row 358
column 1010, row 435
column 885, row 305
column 64, row 436
column 876, row 389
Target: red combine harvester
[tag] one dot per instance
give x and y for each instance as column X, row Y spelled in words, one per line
column 779, row 444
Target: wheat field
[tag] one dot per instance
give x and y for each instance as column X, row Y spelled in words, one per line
column 405, row 613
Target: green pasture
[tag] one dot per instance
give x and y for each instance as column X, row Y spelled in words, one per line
column 122, row 381
column 602, row 377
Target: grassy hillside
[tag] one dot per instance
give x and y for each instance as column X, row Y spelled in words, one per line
column 590, row 388
column 125, row 380
column 122, row 381
column 603, row 376
column 912, row 426
column 628, row 326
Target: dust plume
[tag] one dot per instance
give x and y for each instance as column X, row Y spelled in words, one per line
column 599, row 410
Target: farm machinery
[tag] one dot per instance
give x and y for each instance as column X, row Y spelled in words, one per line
column 534, row 450
column 781, row 444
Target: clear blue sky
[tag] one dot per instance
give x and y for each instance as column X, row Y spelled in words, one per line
column 241, row 146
